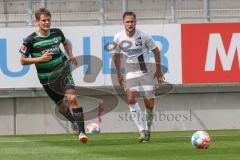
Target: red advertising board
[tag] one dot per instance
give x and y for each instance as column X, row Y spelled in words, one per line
column 210, row 53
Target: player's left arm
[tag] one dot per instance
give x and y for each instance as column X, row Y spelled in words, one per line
column 150, row 44
column 158, row 73
column 68, row 48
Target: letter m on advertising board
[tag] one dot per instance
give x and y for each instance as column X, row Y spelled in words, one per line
column 211, row 53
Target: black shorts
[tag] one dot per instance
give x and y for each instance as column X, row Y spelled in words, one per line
column 56, row 90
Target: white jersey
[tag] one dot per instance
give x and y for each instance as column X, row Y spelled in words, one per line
column 135, row 52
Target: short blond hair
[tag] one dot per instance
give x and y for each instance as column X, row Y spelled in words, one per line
column 42, row 11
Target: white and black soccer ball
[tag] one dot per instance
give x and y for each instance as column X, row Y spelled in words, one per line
column 201, row 140
column 92, row 128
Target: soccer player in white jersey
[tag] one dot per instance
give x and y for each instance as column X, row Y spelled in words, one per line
column 132, row 47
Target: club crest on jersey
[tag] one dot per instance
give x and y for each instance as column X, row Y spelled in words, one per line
column 23, row 49
column 55, row 40
column 138, row 41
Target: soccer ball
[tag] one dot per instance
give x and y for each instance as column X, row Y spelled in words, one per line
column 200, row 139
column 93, row 128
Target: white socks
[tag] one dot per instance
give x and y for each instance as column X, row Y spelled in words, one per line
column 140, row 121
column 136, row 114
column 149, row 118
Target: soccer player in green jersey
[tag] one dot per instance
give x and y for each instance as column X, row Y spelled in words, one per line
column 42, row 49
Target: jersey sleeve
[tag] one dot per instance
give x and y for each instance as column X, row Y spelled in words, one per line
column 149, row 42
column 62, row 35
column 25, row 48
column 117, row 48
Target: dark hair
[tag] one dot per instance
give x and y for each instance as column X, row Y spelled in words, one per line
column 41, row 11
column 129, row 13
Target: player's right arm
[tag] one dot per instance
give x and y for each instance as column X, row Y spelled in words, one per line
column 25, row 54
column 44, row 58
column 117, row 62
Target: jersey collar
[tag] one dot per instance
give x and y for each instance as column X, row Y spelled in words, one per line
column 38, row 33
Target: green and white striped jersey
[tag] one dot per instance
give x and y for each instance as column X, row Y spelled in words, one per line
column 36, row 45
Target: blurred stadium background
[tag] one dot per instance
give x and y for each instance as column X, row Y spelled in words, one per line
column 20, row 13
column 191, row 106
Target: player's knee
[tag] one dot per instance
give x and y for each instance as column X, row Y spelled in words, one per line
column 150, row 107
column 132, row 101
column 149, row 104
column 62, row 109
column 72, row 98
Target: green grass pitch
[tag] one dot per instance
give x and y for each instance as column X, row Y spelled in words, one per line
column 120, row 146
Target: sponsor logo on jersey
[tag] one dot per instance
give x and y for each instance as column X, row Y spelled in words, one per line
column 52, row 50
column 138, row 41
column 134, row 52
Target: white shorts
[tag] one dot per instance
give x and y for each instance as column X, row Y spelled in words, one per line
column 143, row 84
